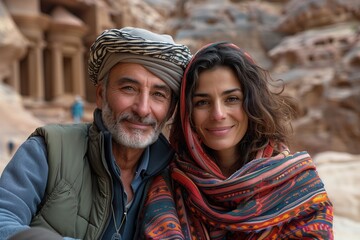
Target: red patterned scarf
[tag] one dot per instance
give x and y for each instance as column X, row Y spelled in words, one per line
column 278, row 197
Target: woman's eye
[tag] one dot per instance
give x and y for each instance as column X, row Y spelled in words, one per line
column 233, row 99
column 200, row 103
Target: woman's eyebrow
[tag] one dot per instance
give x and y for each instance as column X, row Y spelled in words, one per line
column 229, row 91
column 200, row 95
column 226, row 92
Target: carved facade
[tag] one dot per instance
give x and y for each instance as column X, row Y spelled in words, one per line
column 58, row 34
column 47, row 58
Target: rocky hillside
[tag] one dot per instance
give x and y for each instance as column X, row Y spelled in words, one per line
column 314, row 46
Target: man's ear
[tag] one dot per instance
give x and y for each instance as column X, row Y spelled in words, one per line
column 99, row 95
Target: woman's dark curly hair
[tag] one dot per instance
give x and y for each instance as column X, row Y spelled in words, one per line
column 269, row 112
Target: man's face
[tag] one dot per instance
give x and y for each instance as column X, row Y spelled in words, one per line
column 134, row 105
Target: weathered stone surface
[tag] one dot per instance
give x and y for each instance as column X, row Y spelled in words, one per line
column 317, row 47
column 306, row 14
column 16, row 122
column 321, row 68
column 13, row 44
column 340, row 174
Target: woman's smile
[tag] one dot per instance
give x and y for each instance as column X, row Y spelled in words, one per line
column 219, row 131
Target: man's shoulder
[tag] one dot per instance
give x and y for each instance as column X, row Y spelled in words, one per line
column 71, row 136
column 62, row 129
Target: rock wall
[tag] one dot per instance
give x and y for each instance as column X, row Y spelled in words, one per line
column 314, row 46
column 340, row 173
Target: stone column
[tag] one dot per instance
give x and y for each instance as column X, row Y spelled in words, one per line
column 38, row 88
column 57, row 70
column 15, row 77
column 78, row 72
column 67, row 31
column 31, row 70
column 31, row 22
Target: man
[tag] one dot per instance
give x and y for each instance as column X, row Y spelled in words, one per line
column 89, row 181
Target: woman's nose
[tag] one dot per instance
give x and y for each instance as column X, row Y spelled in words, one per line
column 218, row 111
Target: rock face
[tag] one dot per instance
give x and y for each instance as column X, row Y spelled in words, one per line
column 319, row 68
column 313, row 45
column 12, row 43
column 340, row 173
column 342, row 189
column 302, row 15
column 16, row 122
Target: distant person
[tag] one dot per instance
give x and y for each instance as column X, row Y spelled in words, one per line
column 77, row 109
column 90, row 181
column 235, row 177
column 10, row 147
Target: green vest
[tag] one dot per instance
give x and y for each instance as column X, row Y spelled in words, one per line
column 78, row 195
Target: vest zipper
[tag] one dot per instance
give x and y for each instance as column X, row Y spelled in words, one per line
column 123, row 219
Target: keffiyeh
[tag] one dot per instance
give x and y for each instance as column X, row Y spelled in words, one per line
column 156, row 52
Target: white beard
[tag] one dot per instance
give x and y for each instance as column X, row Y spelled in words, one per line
column 134, row 139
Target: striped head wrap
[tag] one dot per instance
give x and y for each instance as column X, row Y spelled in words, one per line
column 158, row 53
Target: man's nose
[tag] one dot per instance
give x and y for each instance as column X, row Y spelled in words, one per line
column 142, row 105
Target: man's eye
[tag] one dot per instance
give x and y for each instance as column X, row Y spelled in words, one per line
column 161, row 95
column 128, row 88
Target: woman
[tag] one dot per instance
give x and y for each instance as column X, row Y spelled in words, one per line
column 234, row 176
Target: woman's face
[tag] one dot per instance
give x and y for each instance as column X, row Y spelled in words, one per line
column 218, row 114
